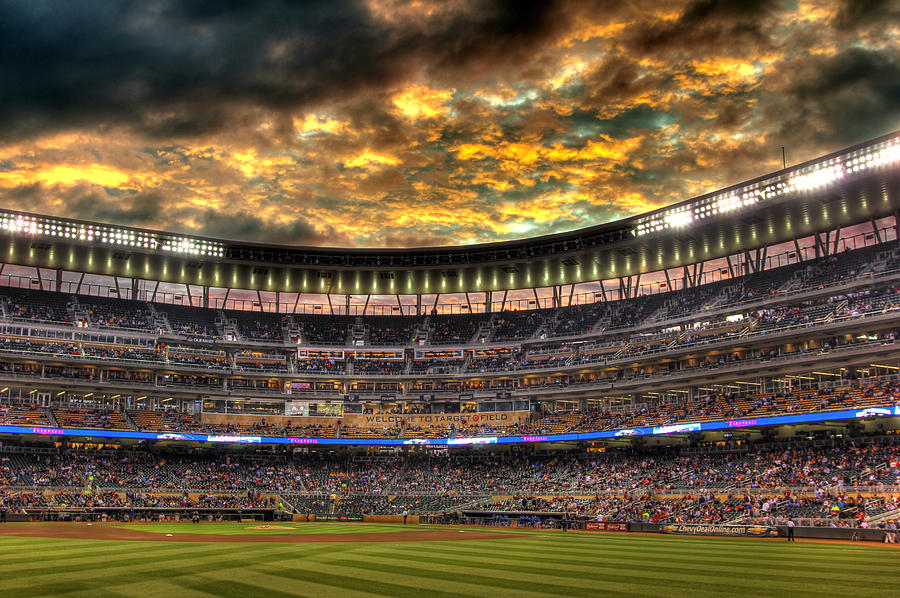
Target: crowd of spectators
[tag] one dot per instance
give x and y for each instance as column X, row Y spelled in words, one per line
column 458, row 329
column 56, row 348
column 94, row 419
column 839, row 483
column 383, row 367
column 611, row 347
column 393, row 331
column 708, row 407
column 316, row 365
column 452, row 329
column 182, row 357
column 118, row 316
column 39, row 306
column 324, row 330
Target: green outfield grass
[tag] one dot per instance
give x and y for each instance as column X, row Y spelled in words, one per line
column 233, row 529
column 543, row 564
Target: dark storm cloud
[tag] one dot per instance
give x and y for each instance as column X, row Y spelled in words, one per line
column 854, row 13
column 151, row 210
column 706, row 24
column 641, row 116
column 244, row 225
column 178, row 68
column 400, row 122
column 618, row 78
column 418, row 239
column 846, row 98
column 89, row 202
column 139, row 209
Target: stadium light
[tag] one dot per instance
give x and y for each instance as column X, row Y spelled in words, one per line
column 810, row 177
column 818, row 177
column 107, row 235
column 679, row 219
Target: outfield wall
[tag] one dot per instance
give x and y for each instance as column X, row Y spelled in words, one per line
column 411, row 519
column 819, row 533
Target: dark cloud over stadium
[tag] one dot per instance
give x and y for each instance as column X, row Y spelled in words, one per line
column 381, row 122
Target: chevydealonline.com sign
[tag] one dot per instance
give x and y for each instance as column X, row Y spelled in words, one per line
column 701, row 529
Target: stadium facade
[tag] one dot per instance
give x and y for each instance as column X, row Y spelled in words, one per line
column 92, row 319
column 764, row 311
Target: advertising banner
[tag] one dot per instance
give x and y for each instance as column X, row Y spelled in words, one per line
column 491, row 419
column 605, row 526
column 701, row 529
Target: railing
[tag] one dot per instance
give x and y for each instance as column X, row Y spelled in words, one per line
column 147, row 290
column 744, row 305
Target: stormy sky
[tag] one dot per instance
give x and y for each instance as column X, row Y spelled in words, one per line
column 386, row 123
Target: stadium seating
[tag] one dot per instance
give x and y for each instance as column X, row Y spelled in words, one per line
column 23, row 415
column 257, row 326
column 840, row 483
column 91, row 419
column 325, row 330
column 70, row 340
column 116, row 313
column 38, row 305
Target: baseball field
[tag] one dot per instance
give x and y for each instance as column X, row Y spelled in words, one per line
column 322, row 560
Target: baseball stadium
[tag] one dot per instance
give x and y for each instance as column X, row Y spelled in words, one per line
column 449, row 298
column 732, row 373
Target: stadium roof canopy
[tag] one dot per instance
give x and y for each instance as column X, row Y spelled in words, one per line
column 848, row 187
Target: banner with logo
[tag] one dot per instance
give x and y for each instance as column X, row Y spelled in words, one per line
column 702, row 529
column 605, row 526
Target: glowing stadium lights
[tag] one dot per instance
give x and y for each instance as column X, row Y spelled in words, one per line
column 726, row 204
column 822, row 174
column 192, row 246
column 681, row 218
column 884, row 155
column 107, row 235
column 818, row 177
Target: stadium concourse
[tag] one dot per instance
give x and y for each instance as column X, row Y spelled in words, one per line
column 751, row 377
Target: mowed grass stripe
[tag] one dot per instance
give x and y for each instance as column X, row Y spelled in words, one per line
column 387, row 575
column 637, row 584
column 50, row 562
column 787, row 573
column 321, row 580
column 559, row 583
column 230, row 529
column 719, row 561
column 169, row 564
column 133, row 563
column 775, row 552
column 222, row 587
column 525, row 567
column 363, row 583
column 248, row 580
column 138, row 588
column 162, row 587
column 767, row 552
column 630, row 577
column 26, row 562
column 679, row 543
column 685, row 570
